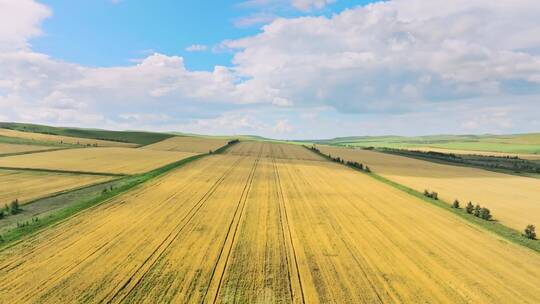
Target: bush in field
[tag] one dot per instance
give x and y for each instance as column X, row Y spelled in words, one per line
column 476, row 210
column 530, row 232
column 485, row 214
column 2, row 213
column 469, row 208
column 368, row 170
column 14, row 207
column 434, row 195
column 455, row 204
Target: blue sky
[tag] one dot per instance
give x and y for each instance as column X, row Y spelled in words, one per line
column 277, row 68
column 110, row 33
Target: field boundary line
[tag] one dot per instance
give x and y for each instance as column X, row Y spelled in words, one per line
column 63, row 171
column 33, row 152
column 492, row 226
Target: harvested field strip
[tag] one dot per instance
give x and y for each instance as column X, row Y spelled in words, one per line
column 27, row 186
column 513, row 200
column 188, row 144
column 99, row 160
column 252, row 229
column 57, row 139
column 216, row 278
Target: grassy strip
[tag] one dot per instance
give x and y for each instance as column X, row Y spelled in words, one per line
column 14, row 236
column 224, row 148
column 493, row 226
column 63, row 171
column 55, row 194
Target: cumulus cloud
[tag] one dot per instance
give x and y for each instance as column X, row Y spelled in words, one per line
column 397, row 55
column 370, row 68
column 21, row 21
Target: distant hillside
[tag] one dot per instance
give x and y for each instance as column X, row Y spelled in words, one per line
column 136, row 137
column 513, row 143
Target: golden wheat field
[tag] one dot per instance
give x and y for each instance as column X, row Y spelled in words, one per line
column 101, row 160
column 16, row 148
column 514, row 200
column 188, row 144
column 29, row 185
column 276, row 150
column 264, row 224
column 472, row 152
column 62, row 139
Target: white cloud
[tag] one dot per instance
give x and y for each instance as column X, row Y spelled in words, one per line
column 20, row 21
column 396, row 56
column 400, row 66
column 197, row 48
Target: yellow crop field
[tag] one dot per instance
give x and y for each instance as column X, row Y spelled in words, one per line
column 62, row 139
column 472, row 152
column 275, row 150
column 513, row 200
column 102, row 160
column 29, row 185
column 267, row 228
column 16, row 148
column 188, row 144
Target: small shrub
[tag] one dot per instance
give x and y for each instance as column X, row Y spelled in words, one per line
column 2, row 213
column 469, row 208
column 434, row 195
column 368, row 170
column 455, row 204
column 530, row 232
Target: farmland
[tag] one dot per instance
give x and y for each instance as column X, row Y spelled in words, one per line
column 512, row 199
column 57, row 139
column 524, row 144
column 6, row 148
column 275, row 150
column 188, row 144
column 100, row 160
column 29, row 185
column 472, row 152
column 267, row 223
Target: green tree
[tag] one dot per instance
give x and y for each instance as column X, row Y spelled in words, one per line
column 469, row 208
column 530, row 232
column 455, row 204
column 476, row 210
